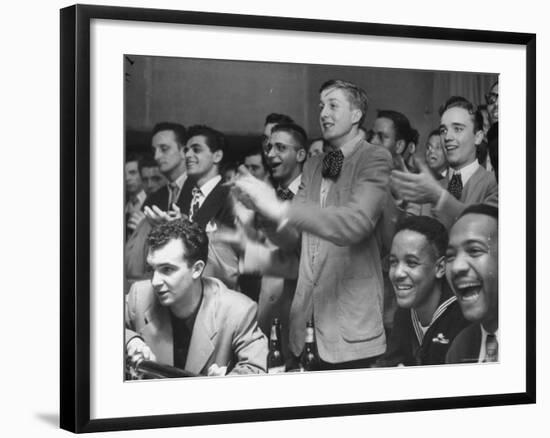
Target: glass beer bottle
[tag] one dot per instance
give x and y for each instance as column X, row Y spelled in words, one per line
column 275, row 359
column 309, row 360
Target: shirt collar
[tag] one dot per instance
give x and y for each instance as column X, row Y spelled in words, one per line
column 209, row 185
column 466, row 172
column 349, row 147
column 295, row 184
column 180, row 180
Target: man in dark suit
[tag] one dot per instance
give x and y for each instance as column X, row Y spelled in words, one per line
column 466, row 182
column 168, row 144
column 183, row 319
column 204, row 198
column 334, row 215
column 472, row 272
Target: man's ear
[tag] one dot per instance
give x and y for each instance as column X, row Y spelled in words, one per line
column 400, row 146
column 301, row 155
column 479, row 136
column 197, row 269
column 356, row 115
column 218, row 156
column 440, row 265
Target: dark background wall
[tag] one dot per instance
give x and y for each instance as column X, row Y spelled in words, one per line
column 235, row 96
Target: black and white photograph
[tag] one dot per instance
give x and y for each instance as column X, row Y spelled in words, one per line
column 275, row 216
column 294, row 217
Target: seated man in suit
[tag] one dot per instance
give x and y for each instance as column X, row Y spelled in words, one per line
column 428, row 317
column 466, row 182
column 183, row 319
column 472, row 272
column 333, row 218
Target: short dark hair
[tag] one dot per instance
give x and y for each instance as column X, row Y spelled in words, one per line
column 296, row 131
column 257, row 150
column 356, row 95
column 433, row 230
column 214, row 139
column 402, row 125
column 462, row 102
column 278, row 118
column 147, row 161
column 178, row 130
column 432, row 133
column 485, row 209
column 192, row 235
column 133, row 157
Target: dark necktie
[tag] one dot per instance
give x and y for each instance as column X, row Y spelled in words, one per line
column 332, row 164
column 491, row 348
column 455, row 185
column 284, row 194
column 196, row 192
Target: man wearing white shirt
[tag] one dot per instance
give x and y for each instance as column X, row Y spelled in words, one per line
column 461, row 131
column 472, row 272
column 204, row 198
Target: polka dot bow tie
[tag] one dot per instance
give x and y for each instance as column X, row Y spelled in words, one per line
column 332, row 164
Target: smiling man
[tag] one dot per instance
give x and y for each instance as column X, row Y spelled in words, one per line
column 472, row 272
column 183, row 319
column 204, row 198
column 333, row 219
column 428, row 317
column 461, row 131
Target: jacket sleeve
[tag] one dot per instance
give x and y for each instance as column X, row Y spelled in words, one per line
column 249, row 344
column 264, row 260
column 130, row 315
column 356, row 219
column 449, row 208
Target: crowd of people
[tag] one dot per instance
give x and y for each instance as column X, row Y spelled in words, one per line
column 391, row 257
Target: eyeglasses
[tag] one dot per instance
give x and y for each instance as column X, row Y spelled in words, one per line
column 491, row 98
column 279, row 148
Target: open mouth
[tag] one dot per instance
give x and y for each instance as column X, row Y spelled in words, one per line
column 468, row 292
column 402, row 290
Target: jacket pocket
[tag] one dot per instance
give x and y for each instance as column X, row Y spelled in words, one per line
column 360, row 309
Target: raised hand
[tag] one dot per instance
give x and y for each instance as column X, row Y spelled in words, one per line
column 419, row 187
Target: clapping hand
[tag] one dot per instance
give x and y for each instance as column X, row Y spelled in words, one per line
column 156, row 216
column 257, row 195
column 419, row 187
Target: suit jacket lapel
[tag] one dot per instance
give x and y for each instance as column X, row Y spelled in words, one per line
column 211, row 205
column 184, row 200
column 202, row 342
column 158, row 333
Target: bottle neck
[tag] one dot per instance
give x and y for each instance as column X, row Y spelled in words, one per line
column 310, row 339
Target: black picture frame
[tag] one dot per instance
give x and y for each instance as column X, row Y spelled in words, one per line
column 75, row 216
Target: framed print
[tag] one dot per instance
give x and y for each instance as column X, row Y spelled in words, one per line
column 376, row 94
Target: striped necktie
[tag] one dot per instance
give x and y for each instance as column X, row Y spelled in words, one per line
column 195, row 202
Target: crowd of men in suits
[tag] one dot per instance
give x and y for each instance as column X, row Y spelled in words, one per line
column 394, row 258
